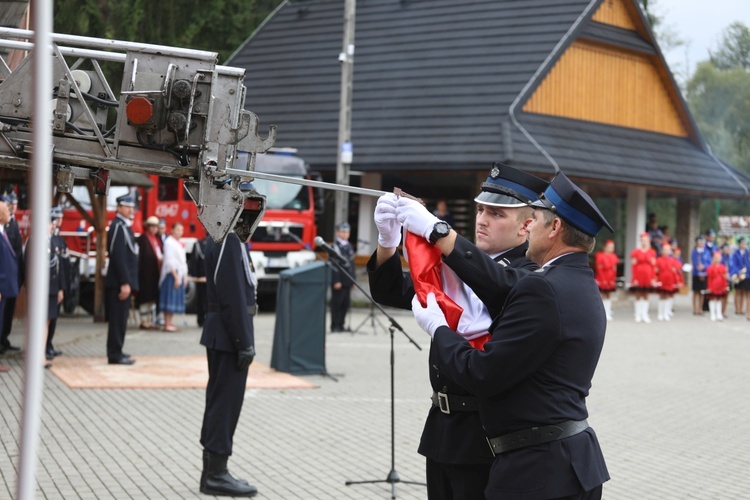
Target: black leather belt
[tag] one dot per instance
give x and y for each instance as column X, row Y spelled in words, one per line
column 448, row 403
column 536, row 435
column 215, row 308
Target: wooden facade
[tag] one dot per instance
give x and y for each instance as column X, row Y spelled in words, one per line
column 602, row 84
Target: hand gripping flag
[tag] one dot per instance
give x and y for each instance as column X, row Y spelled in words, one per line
column 463, row 310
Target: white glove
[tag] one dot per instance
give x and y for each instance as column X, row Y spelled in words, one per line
column 415, row 217
column 428, row 318
column 389, row 228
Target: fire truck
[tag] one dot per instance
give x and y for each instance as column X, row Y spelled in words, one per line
column 282, row 240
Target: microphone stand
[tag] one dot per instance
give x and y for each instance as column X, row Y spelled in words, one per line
column 392, row 478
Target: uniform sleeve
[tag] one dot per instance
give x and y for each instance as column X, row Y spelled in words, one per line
column 389, row 285
column 490, row 281
column 521, row 342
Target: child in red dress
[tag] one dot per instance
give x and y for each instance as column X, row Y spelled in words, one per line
column 605, row 271
column 669, row 276
column 716, row 289
column 643, row 259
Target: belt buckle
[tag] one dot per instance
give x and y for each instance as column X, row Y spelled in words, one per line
column 492, row 448
column 443, row 403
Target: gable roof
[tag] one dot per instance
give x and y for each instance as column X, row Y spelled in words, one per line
column 441, row 85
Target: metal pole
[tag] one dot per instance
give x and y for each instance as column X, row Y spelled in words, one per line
column 305, row 182
column 344, row 157
column 38, row 283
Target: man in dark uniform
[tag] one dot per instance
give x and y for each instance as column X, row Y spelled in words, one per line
column 341, row 284
column 230, row 348
column 61, row 282
column 16, row 242
column 535, row 373
column 8, row 265
column 453, row 442
column 122, row 278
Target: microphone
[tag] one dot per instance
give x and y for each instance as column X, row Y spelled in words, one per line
column 332, row 253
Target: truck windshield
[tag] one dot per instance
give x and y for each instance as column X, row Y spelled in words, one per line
column 282, row 195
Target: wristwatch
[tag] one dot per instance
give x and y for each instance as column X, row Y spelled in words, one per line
column 441, row 229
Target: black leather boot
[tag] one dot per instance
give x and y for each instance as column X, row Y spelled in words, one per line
column 216, row 480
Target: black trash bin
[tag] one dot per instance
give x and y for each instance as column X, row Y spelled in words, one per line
column 299, row 335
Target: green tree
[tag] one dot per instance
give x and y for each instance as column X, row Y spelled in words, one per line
column 214, row 25
column 734, row 50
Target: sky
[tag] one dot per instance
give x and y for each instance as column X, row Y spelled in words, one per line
column 700, row 24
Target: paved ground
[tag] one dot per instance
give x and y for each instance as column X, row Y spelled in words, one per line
column 669, row 403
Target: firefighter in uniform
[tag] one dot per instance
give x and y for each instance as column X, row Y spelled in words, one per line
column 59, row 248
column 458, row 458
column 16, row 241
column 535, row 372
column 122, row 279
column 230, row 348
column 341, row 281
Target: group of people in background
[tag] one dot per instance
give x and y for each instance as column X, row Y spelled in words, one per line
column 163, row 275
column 657, row 268
column 151, row 268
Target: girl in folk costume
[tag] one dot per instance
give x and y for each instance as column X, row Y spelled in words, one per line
column 173, row 278
column 669, row 276
column 717, row 286
column 606, row 274
column 643, row 260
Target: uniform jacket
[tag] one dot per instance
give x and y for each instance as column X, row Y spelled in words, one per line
column 123, row 255
column 455, row 438
column 58, row 274
column 229, row 289
column 16, row 241
column 347, row 252
column 740, row 260
column 535, row 370
column 8, row 270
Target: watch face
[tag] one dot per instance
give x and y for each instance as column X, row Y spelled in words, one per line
column 441, row 229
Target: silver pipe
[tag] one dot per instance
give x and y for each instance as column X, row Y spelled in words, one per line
column 101, row 55
column 38, row 282
column 104, row 44
column 305, row 182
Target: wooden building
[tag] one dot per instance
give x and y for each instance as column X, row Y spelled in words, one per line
column 444, row 88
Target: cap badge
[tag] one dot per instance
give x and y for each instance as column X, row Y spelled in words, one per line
column 495, row 172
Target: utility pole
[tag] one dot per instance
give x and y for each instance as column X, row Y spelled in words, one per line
column 344, row 157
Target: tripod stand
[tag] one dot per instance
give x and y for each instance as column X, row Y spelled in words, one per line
column 392, row 478
column 372, row 317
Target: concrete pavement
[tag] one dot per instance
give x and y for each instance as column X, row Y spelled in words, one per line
column 669, row 404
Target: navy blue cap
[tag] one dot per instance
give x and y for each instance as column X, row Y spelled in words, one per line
column 344, row 226
column 56, row 212
column 126, row 200
column 12, row 197
column 4, row 198
column 510, row 187
column 246, row 186
column 572, row 205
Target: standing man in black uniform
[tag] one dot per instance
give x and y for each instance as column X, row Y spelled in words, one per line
column 16, row 242
column 61, row 268
column 453, row 442
column 230, row 348
column 535, row 373
column 122, row 278
column 341, row 284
